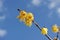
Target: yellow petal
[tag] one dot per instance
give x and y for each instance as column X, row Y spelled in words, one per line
column 28, row 23
column 30, row 16
column 44, row 31
column 17, row 16
column 55, row 28
column 22, row 15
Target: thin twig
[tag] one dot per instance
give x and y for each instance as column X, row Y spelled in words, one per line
column 19, row 10
column 38, row 27
column 40, row 30
column 58, row 33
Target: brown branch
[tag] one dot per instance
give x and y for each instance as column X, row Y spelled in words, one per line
column 19, row 10
column 38, row 27
column 58, row 33
column 40, row 30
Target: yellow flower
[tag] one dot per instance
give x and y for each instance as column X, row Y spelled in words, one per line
column 22, row 15
column 55, row 28
column 28, row 23
column 44, row 31
column 29, row 18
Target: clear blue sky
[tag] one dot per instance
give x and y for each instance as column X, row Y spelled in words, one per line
column 44, row 15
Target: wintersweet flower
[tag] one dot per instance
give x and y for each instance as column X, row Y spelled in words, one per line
column 29, row 18
column 55, row 28
column 28, row 23
column 44, row 31
column 22, row 15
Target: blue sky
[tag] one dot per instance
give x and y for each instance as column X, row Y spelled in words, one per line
column 46, row 13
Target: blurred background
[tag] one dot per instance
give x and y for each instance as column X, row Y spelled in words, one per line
column 46, row 13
